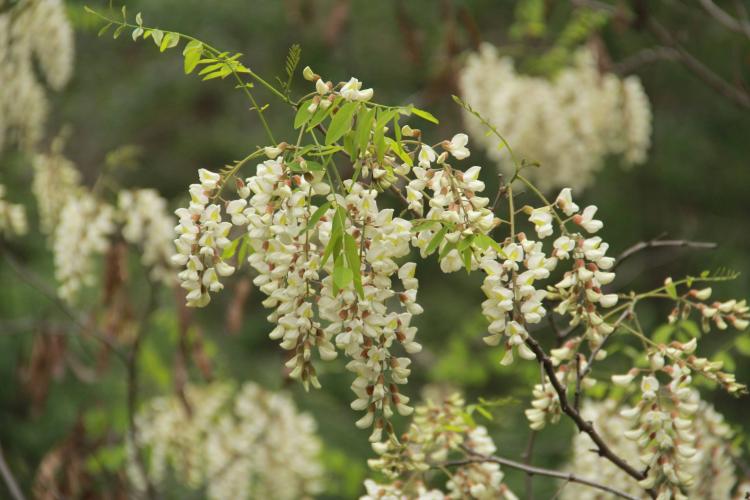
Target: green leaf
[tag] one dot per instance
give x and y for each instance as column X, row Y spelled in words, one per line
column 245, row 249
column 136, row 33
column 157, row 35
column 341, row 122
column 342, row 275
column 671, row 289
column 384, row 116
column 230, row 249
column 727, row 360
column 435, row 241
column 464, row 243
column 192, row 53
column 104, row 29
column 395, row 146
column 118, row 31
column 139, row 19
column 170, row 40
column 364, row 126
column 483, row 242
column 467, row 254
column 303, row 114
column 425, row 224
column 663, row 334
column 320, row 115
column 425, row 115
column 352, row 258
column 317, row 215
column 742, row 343
column 482, row 411
column 334, row 244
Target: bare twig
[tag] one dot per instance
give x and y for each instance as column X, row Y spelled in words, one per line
column 726, row 20
column 657, row 243
column 602, row 448
column 645, row 56
column 531, row 470
column 9, row 478
column 694, row 65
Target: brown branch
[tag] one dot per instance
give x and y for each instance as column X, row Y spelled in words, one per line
column 731, row 92
column 531, row 470
column 9, row 478
column 645, row 56
column 726, row 20
column 694, row 65
column 602, row 448
column 657, row 243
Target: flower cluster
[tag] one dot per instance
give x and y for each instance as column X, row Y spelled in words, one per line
column 233, row 443
column 708, row 473
column 367, row 329
column 720, row 314
column 82, row 232
column 35, row 37
column 12, row 217
column 148, row 224
column 672, row 427
column 317, row 300
column 327, row 92
column 438, row 432
column 202, row 238
column 568, row 123
column 55, row 180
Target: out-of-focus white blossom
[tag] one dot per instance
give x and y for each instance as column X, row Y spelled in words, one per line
column 244, row 444
column 148, row 225
column 569, row 123
column 437, row 431
column 34, row 35
column 82, row 233
column 55, row 180
column 12, row 217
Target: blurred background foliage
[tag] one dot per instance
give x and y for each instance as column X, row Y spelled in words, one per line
column 693, row 186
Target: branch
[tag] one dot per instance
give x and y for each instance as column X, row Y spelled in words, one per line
column 645, row 56
column 10, row 480
column 656, row 243
column 729, row 22
column 602, row 449
column 693, row 64
column 531, row 470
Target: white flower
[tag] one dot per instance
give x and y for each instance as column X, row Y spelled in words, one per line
column 457, row 146
column 587, row 221
column 649, row 386
column 565, row 202
column 351, row 91
column 542, row 220
column 451, row 262
column 427, row 155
